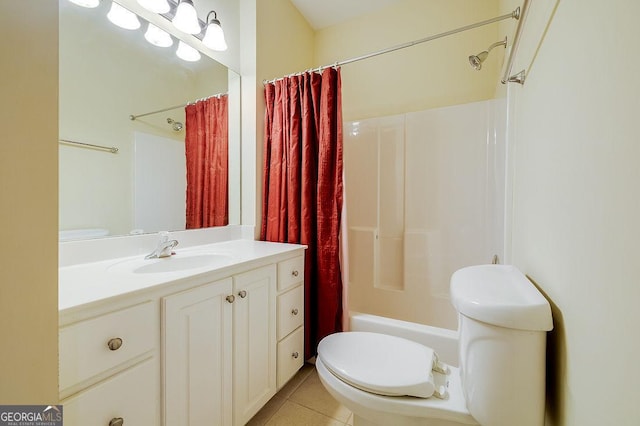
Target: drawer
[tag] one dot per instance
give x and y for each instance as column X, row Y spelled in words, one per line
column 290, row 308
column 84, row 346
column 132, row 395
column 290, row 272
column 290, row 356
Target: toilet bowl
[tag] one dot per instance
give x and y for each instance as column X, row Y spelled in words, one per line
column 387, row 380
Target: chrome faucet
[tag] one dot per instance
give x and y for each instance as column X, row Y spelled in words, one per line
column 164, row 248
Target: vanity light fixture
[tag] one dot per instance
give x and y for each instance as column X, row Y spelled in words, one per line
column 186, row 19
column 155, row 6
column 123, row 18
column 187, row 53
column 214, row 36
column 86, row 3
column 157, row 36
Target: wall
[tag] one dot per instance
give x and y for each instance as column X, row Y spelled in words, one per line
column 576, row 204
column 284, row 45
column 425, row 76
column 28, row 171
column 96, row 99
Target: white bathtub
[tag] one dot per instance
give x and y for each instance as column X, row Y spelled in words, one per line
column 442, row 340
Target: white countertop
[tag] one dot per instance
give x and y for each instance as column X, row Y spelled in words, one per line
column 87, row 283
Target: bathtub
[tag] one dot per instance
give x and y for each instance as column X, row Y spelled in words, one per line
column 442, row 340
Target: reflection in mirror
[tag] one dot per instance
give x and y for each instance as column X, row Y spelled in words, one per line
column 106, row 75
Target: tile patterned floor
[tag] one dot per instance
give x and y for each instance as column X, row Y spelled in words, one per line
column 303, row 401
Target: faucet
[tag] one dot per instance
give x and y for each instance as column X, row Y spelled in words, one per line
column 164, row 247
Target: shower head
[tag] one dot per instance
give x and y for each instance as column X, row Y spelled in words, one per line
column 175, row 125
column 477, row 60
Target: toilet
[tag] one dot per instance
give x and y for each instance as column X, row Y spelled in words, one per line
column 500, row 381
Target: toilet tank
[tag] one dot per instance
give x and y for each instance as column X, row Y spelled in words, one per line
column 503, row 324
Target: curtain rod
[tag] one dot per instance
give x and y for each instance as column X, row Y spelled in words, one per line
column 519, row 77
column 133, row 117
column 111, row 149
column 513, row 15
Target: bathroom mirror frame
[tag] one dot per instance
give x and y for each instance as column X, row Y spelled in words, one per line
column 233, row 88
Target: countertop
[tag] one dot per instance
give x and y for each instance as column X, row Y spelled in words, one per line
column 98, row 281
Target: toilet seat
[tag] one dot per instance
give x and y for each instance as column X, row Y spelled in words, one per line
column 379, row 363
column 392, row 410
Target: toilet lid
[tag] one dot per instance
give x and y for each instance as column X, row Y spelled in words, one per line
column 379, row 363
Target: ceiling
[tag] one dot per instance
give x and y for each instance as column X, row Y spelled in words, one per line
column 325, row 13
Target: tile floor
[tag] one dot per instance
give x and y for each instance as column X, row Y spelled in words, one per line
column 303, row 401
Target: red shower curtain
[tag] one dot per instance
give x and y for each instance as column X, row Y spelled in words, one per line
column 207, row 152
column 302, row 188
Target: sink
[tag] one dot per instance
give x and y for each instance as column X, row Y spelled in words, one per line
column 177, row 262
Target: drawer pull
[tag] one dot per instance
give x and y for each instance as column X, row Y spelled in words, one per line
column 242, row 293
column 294, row 273
column 116, row 421
column 294, row 311
column 295, row 355
column 115, row 343
column 231, row 298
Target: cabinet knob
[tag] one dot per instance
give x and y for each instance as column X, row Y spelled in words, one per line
column 242, row 293
column 294, row 311
column 231, row 298
column 294, row 273
column 115, row 343
column 295, row 355
column 116, row 421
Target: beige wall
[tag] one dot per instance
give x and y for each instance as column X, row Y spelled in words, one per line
column 284, row 45
column 28, row 178
column 428, row 75
column 285, row 40
column 576, row 206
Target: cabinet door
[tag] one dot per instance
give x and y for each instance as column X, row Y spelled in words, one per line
column 254, row 342
column 197, row 356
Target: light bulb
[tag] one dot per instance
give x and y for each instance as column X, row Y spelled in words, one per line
column 123, row 17
column 186, row 19
column 86, row 3
column 157, row 36
column 187, row 53
column 155, row 6
column 214, row 36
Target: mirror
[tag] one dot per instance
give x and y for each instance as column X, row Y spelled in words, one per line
column 107, row 74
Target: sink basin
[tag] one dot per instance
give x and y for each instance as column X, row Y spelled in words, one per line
column 177, row 262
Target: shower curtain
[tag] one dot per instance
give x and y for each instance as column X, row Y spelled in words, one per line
column 302, row 188
column 206, row 149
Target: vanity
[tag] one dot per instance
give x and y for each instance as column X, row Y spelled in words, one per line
column 205, row 336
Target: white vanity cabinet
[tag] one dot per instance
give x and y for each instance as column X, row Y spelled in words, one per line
column 290, row 318
column 207, row 348
column 109, row 368
column 254, row 342
column 218, row 337
column 197, row 355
